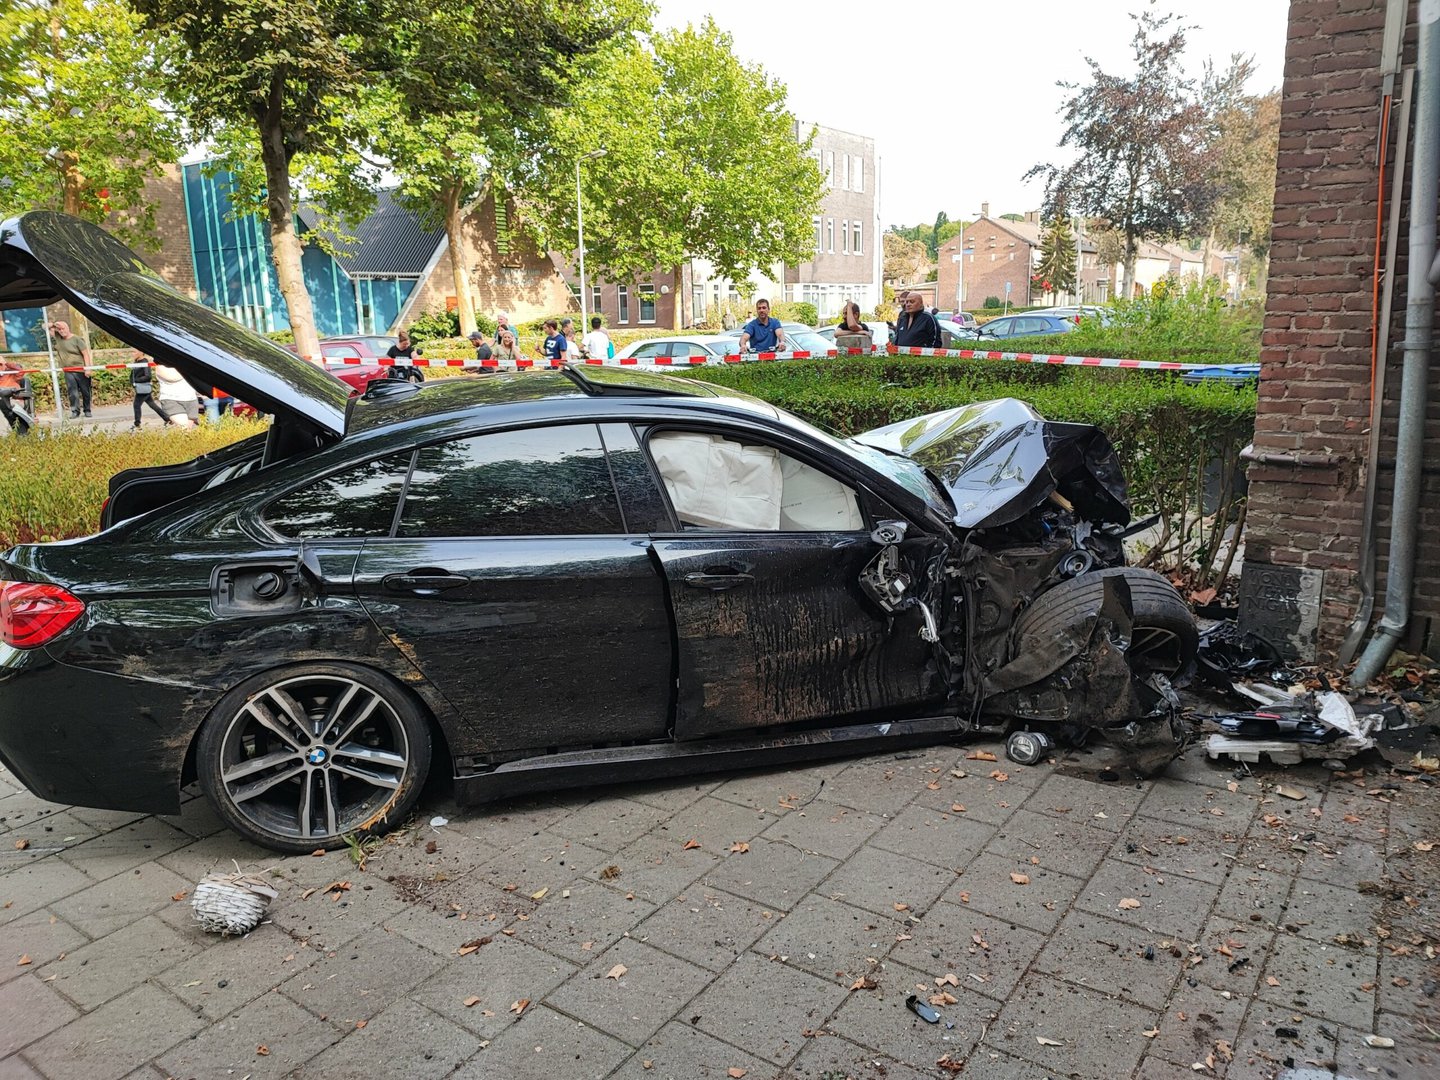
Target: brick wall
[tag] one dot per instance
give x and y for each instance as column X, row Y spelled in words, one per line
column 997, row 256
column 1316, row 375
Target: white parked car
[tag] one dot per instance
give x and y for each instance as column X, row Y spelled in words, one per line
column 710, row 346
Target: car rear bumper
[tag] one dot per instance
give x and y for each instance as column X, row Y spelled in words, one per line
column 88, row 738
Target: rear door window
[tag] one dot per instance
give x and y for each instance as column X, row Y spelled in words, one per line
column 547, row 481
column 359, row 502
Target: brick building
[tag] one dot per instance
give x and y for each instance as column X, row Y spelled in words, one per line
column 1312, row 453
column 1001, row 252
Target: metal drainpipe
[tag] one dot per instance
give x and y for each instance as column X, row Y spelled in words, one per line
column 1419, row 339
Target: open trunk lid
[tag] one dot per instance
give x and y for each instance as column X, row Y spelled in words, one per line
column 47, row 256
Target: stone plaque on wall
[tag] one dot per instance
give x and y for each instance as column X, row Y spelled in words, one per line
column 1281, row 604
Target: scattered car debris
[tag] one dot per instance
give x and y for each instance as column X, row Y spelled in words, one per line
column 922, row 1010
column 231, row 903
column 1380, row 1042
column 1306, row 727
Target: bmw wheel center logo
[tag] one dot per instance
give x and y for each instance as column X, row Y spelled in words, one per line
column 316, row 755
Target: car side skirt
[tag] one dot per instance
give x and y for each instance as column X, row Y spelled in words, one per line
column 650, row 761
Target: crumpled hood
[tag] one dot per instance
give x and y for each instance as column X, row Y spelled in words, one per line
column 46, row 257
column 1000, row 459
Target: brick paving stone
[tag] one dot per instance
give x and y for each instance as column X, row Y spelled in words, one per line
column 108, row 966
column 1169, row 903
column 625, row 1006
column 984, row 798
column 125, row 848
column 1341, row 858
column 1104, row 806
column 365, row 976
column 248, row 967
column 608, row 824
column 681, row 1052
column 1415, row 1055
column 771, row 1024
column 828, row 1057
column 878, row 1019
column 16, row 1068
column 991, row 966
column 657, row 868
column 1192, row 806
column 500, row 824
column 103, row 821
column 1101, row 1037
column 29, row 1010
column 986, row 1063
column 1322, row 980
column 985, row 885
column 123, row 899
column 1260, row 1050
column 1069, row 848
column 1194, row 1020
column 1248, row 891
column 1194, row 767
column 773, row 874
column 216, row 854
column 36, row 884
column 406, row 1040
column 1272, row 850
column 1200, row 854
column 767, row 789
column 499, row 974
column 540, row 862
column 1232, row 956
column 197, row 818
column 327, row 923
column 291, row 1036
column 1322, row 911
column 117, row 1037
column 825, row 828
column 831, row 939
column 49, row 833
column 544, row 1045
column 879, row 785
column 668, row 795
column 715, row 824
column 1403, row 978
column 1371, row 818
column 942, row 838
column 592, row 913
column 705, row 926
column 1109, row 956
column 878, row 880
column 39, row 935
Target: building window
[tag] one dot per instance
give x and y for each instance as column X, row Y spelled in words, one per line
column 830, row 235
column 819, row 239
column 697, row 303
column 624, row 301
column 858, row 176
column 855, row 244
column 596, row 307
column 845, row 174
column 830, row 168
column 844, row 237
column 647, row 302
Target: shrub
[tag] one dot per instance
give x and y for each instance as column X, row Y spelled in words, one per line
column 434, row 324
column 992, row 302
column 801, row 311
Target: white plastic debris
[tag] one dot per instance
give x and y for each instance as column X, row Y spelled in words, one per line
column 1380, row 1042
column 437, row 822
column 231, row 903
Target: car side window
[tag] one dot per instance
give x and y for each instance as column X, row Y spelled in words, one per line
column 719, row 483
column 359, row 502
column 546, row 481
column 649, row 350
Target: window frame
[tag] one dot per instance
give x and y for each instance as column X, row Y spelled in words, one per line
column 643, row 289
column 622, row 301
column 857, row 244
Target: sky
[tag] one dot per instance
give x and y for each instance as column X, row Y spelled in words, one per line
column 960, row 96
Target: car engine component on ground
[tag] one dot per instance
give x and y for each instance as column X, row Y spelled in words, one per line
column 1027, row 747
column 231, row 903
column 1321, row 727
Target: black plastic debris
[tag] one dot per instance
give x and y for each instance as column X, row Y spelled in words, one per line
column 922, row 1010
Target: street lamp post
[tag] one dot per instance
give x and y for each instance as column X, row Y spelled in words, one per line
column 580, row 234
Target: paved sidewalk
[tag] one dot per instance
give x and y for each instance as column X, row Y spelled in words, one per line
column 767, row 924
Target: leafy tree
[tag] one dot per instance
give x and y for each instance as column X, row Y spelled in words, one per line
column 906, row 260
column 1144, row 162
column 1056, row 272
column 701, row 162
column 81, row 130
column 932, row 242
column 1245, row 137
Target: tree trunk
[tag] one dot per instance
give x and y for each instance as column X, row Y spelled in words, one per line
column 1127, row 286
column 455, row 234
column 1205, row 255
column 285, row 243
column 680, row 290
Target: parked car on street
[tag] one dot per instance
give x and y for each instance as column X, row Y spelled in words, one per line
column 542, row 579
column 706, row 345
column 1027, row 325
column 798, row 338
column 879, row 333
column 962, row 318
column 357, row 376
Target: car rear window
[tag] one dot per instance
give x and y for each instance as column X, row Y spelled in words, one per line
column 549, row 481
column 359, row 502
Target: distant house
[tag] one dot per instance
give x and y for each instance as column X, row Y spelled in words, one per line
column 1001, row 253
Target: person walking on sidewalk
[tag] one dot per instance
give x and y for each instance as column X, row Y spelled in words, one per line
column 141, row 382
column 74, row 356
column 178, row 399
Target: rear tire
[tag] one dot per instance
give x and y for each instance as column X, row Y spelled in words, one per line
column 301, row 757
column 1163, row 635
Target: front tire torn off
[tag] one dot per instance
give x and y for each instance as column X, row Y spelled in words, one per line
column 1072, row 669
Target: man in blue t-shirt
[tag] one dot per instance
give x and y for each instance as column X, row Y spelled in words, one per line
column 762, row 333
column 554, row 347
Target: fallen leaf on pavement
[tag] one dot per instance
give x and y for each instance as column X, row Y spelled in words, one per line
column 1224, row 1049
column 959, row 774
column 999, row 776
column 1129, row 904
column 1289, row 792
column 539, row 894
column 1424, row 845
column 262, row 1050
column 587, row 945
column 318, row 853
column 950, row 1065
column 21, row 845
column 1150, row 1033
column 980, row 755
column 1020, row 879
column 948, row 979
column 520, row 1006
column 1043, row 1041
column 964, row 898
column 944, row 997
column 740, row 847
column 471, row 946
column 471, row 1001
column 957, row 808
column 616, row 971
column 933, row 786
column 691, row 845
column 1271, row 980
column 431, row 847
column 360, row 1024
column 23, row 961
column 647, row 1064
column 610, row 873
column 901, row 907
column 735, row 1074
column 181, row 894
column 864, row 983
column 1379, row 1042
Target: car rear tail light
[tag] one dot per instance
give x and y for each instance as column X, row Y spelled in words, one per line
column 32, row 614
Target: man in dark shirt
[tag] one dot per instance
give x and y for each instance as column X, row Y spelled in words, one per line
column 404, row 349
column 916, row 326
column 482, row 347
column 554, row 347
column 762, row 333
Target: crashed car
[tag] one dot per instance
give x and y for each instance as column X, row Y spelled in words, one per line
column 539, row 580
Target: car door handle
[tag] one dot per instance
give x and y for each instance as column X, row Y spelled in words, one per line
column 717, row 581
column 423, row 584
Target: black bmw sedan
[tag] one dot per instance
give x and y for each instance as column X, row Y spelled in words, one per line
column 520, row 581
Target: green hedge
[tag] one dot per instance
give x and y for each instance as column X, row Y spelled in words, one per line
column 1165, row 430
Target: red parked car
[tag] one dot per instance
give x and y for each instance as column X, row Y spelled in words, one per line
column 365, row 347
